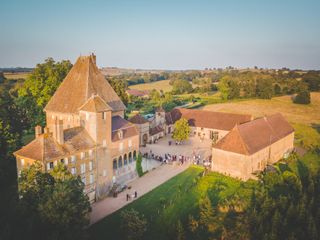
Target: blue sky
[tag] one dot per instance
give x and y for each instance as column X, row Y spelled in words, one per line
column 163, row 34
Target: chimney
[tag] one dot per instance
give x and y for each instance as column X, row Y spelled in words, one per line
column 93, row 57
column 38, row 131
column 59, row 132
column 46, row 130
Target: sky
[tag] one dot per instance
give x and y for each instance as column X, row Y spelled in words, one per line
column 163, row 34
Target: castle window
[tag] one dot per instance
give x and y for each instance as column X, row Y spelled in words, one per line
column 62, row 161
column 114, row 164
column 90, row 166
column 91, row 178
column 84, row 180
column 125, row 160
column 120, row 134
column 83, row 168
column 120, row 162
column 130, row 157
column 49, row 165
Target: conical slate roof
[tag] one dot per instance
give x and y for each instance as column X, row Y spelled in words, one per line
column 82, row 82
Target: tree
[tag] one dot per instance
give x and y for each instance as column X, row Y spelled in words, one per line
column 229, row 88
column 277, row 89
column 181, row 86
column 302, row 97
column 139, row 166
column 181, row 130
column 193, row 224
column 120, row 87
column 264, row 88
column 53, row 203
column 2, row 77
column 206, row 213
column 133, row 224
column 180, row 235
column 39, row 87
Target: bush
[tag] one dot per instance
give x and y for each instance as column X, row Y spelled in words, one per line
column 302, row 97
column 139, row 166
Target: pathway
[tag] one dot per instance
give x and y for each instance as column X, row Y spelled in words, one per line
column 142, row 185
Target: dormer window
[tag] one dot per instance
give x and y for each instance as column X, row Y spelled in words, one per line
column 120, row 134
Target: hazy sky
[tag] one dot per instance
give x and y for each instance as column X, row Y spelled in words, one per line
column 163, row 34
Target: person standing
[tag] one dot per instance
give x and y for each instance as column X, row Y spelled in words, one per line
column 135, row 194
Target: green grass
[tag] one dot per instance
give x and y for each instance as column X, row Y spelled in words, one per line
column 175, row 200
column 306, row 136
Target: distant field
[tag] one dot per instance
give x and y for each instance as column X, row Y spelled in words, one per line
column 22, row 75
column 159, row 85
column 304, row 118
column 295, row 113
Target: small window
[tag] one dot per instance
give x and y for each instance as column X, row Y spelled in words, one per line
column 91, row 178
column 62, row 161
column 50, row 165
column 83, row 168
column 90, row 166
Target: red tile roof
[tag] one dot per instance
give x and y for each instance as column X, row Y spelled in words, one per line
column 207, row 119
column 128, row 129
column 250, row 137
column 138, row 119
column 155, row 130
column 45, row 147
column 95, row 104
column 138, row 93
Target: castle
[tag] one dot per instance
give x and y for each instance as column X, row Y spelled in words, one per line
column 86, row 131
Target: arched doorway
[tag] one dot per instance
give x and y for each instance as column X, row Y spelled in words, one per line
column 130, row 157
column 134, row 155
column 145, row 139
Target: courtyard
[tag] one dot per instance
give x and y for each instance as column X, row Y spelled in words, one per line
column 189, row 148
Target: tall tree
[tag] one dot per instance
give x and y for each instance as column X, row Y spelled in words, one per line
column 39, row 86
column 181, row 130
column 120, row 87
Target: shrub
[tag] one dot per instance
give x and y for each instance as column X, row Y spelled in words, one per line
column 302, row 97
column 139, row 166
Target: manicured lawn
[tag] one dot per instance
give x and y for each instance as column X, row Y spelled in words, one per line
column 175, row 200
column 22, row 75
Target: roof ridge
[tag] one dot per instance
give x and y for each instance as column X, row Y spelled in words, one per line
column 272, row 130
